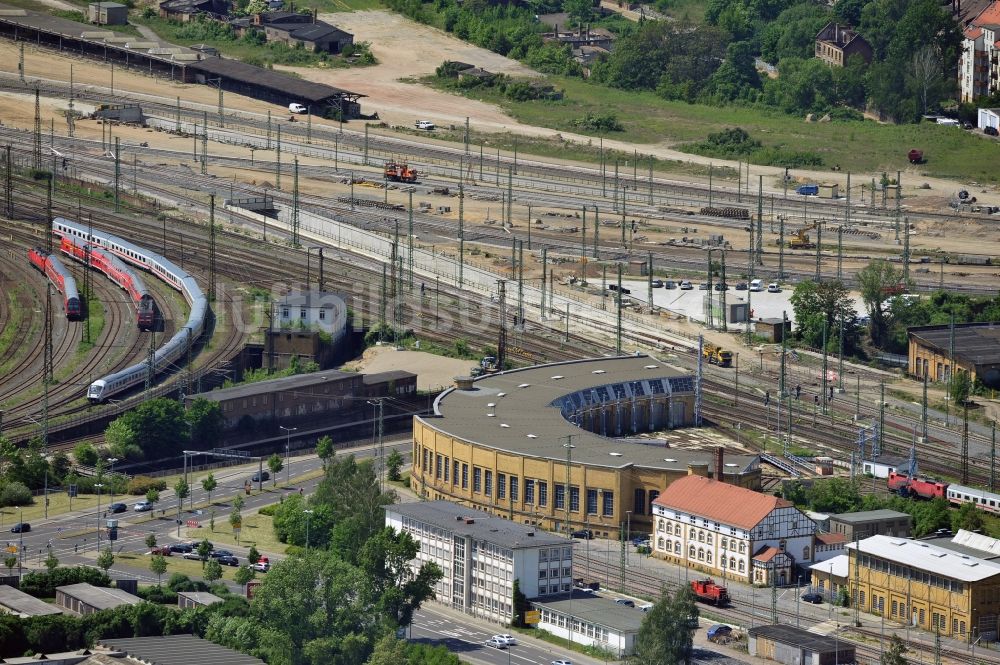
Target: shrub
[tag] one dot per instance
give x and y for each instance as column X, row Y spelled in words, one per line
column 599, row 122
column 158, row 594
column 268, row 510
column 85, row 454
column 42, row 584
column 139, row 485
column 14, row 493
column 181, row 582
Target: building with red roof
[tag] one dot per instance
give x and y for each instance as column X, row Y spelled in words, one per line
column 979, row 63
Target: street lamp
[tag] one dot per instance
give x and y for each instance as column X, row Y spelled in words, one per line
column 112, row 460
column 288, row 439
column 98, row 486
column 628, row 532
column 308, row 513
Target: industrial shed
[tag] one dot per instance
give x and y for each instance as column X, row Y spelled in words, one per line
column 795, row 646
column 86, row 598
column 16, row 602
column 177, row 650
column 191, row 599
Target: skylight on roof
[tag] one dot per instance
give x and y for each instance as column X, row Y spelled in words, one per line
column 652, row 366
column 491, row 404
column 524, row 385
column 501, row 394
column 504, row 425
column 615, row 454
column 532, row 436
column 598, row 371
column 669, row 459
column 939, row 555
column 556, row 377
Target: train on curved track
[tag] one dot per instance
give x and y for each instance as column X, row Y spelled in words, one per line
column 924, row 487
column 118, row 272
column 177, row 347
column 52, row 267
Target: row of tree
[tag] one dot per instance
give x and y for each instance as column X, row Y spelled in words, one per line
column 160, row 428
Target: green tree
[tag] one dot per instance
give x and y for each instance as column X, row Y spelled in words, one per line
column 968, row 517
column 325, row 449
column 212, row 570
column 520, row 604
column 85, row 453
column 385, row 561
column 157, row 426
column 253, row 556
column 153, row 495
column 389, row 650
column 205, row 422
column 209, row 483
column 10, row 561
column 243, row 575
column 393, row 464
column 878, row 280
column 238, row 502
column 51, row 562
column 960, row 387
column 151, row 540
column 158, row 566
column 275, row 464
column 289, row 521
column 834, row 495
column 580, row 11
column 203, row 549
column 895, row 654
column 182, row 490
column 826, row 303
column 665, row 634
column 105, row 559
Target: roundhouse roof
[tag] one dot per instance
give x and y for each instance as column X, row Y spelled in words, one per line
column 528, row 406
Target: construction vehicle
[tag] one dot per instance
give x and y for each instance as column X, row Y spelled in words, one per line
column 708, row 591
column 716, row 355
column 399, row 172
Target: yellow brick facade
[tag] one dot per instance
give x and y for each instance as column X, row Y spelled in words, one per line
column 479, row 469
column 937, row 366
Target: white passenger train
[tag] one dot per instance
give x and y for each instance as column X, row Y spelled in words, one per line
column 173, row 350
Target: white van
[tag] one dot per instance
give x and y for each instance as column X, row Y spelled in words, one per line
column 757, row 285
column 297, row 108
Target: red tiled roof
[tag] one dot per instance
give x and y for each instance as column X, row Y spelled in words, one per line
column 766, row 554
column 973, row 33
column 989, row 15
column 831, row 538
column 718, row 501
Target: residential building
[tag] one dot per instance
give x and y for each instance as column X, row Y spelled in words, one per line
column 988, row 118
column 732, row 531
column 979, row 61
column 312, row 310
column 796, row 646
column 828, row 545
column 481, row 556
column 868, row 523
column 931, row 587
column 86, row 598
column 107, row 13
column 591, row 620
column 830, row 576
column 971, row 348
column 554, row 445
column 836, row 44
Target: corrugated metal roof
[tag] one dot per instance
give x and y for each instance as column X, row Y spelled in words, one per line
column 798, row 637
column 476, row 524
column 102, row 598
column 18, row 602
column 281, row 83
column 297, row 382
column 178, row 650
column 977, row 343
column 978, row 541
column 929, row 558
column 720, row 502
column 838, row 566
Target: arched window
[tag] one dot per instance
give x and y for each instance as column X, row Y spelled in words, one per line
column 691, row 533
column 691, row 552
column 660, row 543
column 701, row 537
column 732, row 545
column 677, row 548
column 708, row 557
column 743, row 547
column 805, row 553
column 732, row 563
column 701, row 554
column 742, row 566
column 708, row 539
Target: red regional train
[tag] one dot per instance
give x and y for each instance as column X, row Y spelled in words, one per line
column 118, row 272
column 53, row 268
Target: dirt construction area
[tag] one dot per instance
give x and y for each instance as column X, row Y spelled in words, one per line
column 433, row 372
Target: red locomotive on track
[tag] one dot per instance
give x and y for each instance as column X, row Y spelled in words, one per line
column 53, row 268
column 709, row 592
column 920, row 486
column 117, row 271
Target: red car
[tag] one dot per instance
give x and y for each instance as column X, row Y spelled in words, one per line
column 162, row 550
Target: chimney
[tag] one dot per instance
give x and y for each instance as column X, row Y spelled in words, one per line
column 719, row 466
column 314, row 15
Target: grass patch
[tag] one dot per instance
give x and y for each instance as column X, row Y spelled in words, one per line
column 854, row 146
column 257, row 530
column 95, row 319
column 58, row 505
column 347, row 5
column 176, row 564
column 7, row 334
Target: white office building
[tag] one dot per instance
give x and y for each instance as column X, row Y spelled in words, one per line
column 481, row 556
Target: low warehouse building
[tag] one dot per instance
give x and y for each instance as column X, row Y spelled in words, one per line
column 190, row 599
column 86, row 598
column 591, row 620
column 868, row 523
column 795, row 646
column 976, row 352
column 16, row 602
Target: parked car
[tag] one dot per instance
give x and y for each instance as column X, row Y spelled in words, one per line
column 686, row 285
column 741, row 286
column 194, row 556
column 657, row 283
column 228, row 560
column 718, row 631
column 506, row 639
column 181, row 548
column 21, row 527
column 117, row 508
column 143, row 506
column 990, row 131
column 757, row 285
column 495, row 643
column 215, row 554
column 161, row 550
column 670, row 284
column 773, row 288
column 625, row 601
column 297, row 108
column 562, row 662
column 814, row 598
column 260, row 476
column 703, row 286
column 720, row 286
column 424, row 124
column 262, row 566
column 585, row 534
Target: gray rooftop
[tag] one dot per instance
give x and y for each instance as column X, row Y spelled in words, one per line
column 390, row 375
column 868, row 516
column 799, row 637
column 476, row 524
column 200, row 597
column 977, row 343
column 529, row 421
column 296, row 382
column 178, row 650
column 598, row 610
column 20, row 603
column 102, row 598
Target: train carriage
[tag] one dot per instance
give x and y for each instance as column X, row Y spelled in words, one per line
column 57, row 273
